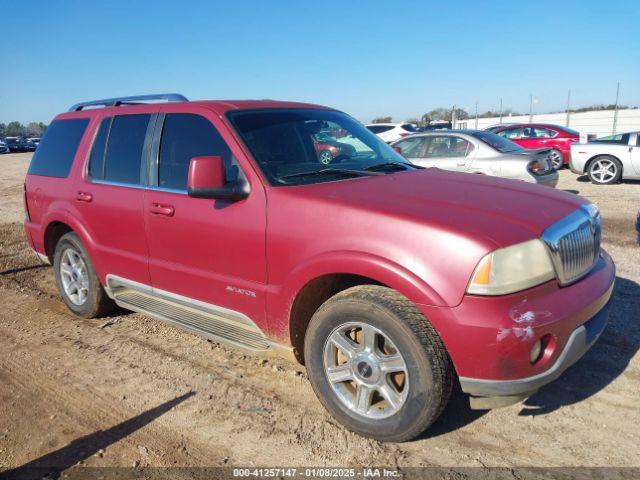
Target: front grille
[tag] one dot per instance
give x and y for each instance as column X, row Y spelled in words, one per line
column 574, row 243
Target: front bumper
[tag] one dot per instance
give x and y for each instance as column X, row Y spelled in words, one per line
column 489, row 339
column 494, row 393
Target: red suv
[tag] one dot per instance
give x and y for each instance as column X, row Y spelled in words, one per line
column 389, row 282
column 541, row 135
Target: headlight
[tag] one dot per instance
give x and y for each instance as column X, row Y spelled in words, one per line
column 512, row 269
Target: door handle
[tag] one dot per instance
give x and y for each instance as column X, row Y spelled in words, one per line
column 160, row 209
column 84, row 197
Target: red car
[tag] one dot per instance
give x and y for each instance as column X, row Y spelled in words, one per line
column 389, row 282
column 540, row 135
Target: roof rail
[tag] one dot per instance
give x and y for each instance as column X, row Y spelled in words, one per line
column 114, row 102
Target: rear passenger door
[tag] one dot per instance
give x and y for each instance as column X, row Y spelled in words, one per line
column 109, row 196
column 204, row 250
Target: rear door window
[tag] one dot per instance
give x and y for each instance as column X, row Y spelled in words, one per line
column 185, row 136
column 58, row 147
column 123, row 156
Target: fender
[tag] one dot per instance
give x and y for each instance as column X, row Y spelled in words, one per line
column 64, row 215
column 280, row 298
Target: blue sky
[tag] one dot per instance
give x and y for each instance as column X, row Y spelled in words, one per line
column 367, row 58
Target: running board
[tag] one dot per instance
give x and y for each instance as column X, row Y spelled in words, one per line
column 210, row 321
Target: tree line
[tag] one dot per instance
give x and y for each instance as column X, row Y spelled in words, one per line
column 17, row 129
column 445, row 114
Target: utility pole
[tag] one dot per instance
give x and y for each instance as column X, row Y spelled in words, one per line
column 476, row 127
column 568, row 107
column 500, row 110
column 615, row 110
column 453, row 118
column 530, row 108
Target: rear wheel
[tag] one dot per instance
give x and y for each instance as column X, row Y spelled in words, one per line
column 605, row 170
column 557, row 159
column 376, row 364
column 77, row 281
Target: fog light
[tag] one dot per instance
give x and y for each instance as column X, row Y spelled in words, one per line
column 535, row 352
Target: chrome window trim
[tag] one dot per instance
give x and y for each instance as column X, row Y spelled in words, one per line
column 585, row 214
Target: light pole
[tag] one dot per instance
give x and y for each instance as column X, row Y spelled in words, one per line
column 476, row 127
column 568, row 107
column 500, row 110
column 615, row 110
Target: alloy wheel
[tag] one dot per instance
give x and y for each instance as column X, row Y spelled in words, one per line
column 604, row 171
column 366, row 370
column 74, row 276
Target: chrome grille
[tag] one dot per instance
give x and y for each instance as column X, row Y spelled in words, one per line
column 574, row 243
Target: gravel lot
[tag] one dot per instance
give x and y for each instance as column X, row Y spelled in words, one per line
column 127, row 390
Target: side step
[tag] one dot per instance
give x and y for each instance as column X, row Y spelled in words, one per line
column 207, row 320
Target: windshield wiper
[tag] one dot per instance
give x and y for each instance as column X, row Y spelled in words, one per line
column 389, row 166
column 324, row 171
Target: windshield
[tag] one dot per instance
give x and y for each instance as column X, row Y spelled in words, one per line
column 496, row 141
column 328, row 145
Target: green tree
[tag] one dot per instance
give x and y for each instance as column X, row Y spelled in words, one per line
column 382, row 120
column 14, row 129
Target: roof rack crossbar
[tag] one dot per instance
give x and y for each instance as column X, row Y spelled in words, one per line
column 114, row 102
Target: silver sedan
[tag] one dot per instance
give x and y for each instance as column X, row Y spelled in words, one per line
column 477, row 151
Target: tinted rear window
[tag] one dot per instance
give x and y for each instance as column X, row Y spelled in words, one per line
column 124, row 148
column 96, row 160
column 58, row 147
column 409, row 128
column 379, row 128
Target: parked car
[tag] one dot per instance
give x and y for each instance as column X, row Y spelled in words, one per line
column 33, row 141
column 609, row 159
column 539, row 135
column 388, row 281
column 18, row 145
column 478, row 151
column 390, row 132
column 3, row 147
column 329, row 149
column 493, row 128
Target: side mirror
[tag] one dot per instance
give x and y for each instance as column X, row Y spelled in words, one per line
column 207, row 179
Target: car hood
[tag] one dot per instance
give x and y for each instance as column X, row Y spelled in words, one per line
column 495, row 210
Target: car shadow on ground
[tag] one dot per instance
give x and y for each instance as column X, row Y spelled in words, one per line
column 603, row 363
column 51, row 465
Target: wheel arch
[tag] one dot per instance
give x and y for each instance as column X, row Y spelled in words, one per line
column 314, row 284
column 587, row 165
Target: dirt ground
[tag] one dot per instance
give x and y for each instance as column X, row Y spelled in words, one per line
column 128, row 390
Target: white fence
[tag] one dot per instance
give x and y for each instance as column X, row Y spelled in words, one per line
column 594, row 122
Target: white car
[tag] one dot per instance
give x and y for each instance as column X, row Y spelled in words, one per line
column 3, row 147
column 607, row 160
column 390, row 132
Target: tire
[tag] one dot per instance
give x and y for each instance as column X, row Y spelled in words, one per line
column 557, row 159
column 325, row 157
column 79, row 286
column 423, row 378
column 604, row 170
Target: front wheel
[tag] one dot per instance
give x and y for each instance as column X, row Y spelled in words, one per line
column 605, row 170
column 376, row 364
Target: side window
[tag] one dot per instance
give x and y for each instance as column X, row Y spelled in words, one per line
column 124, row 148
column 543, row 132
column 511, row 133
column 412, row 147
column 96, row 159
column 448, row 146
column 58, row 146
column 185, row 136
